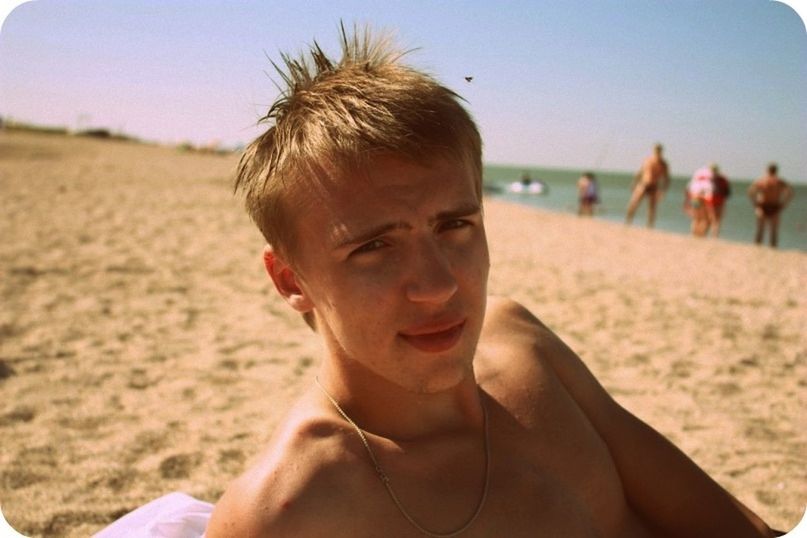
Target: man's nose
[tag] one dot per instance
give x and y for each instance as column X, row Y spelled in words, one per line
column 432, row 279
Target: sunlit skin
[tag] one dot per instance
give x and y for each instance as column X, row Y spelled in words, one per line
column 651, row 182
column 770, row 194
column 394, row 265
column 716, row 204
column 410, row 242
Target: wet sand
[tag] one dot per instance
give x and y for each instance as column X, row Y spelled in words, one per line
column 143, row 351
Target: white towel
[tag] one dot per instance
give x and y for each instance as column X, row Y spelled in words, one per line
column 175, row 515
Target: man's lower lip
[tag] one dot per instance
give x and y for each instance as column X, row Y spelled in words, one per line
column 436, row 342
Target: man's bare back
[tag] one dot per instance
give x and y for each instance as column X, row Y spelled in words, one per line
column 770, row 189
column 546, row 413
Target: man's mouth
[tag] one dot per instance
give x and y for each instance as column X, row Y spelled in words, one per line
column 434, row 338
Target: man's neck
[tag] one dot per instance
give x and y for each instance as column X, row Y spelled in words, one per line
column 384, row 408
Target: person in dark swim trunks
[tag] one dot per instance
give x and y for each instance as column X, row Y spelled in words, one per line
column 770, row 209
column 651, row 182
column 770, row 194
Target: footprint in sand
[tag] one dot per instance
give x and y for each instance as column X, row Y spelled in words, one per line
column 179, row 465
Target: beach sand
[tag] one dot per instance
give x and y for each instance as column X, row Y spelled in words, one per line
column 143, row 350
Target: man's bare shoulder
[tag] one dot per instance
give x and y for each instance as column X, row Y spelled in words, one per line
column 517, row 348
column 511, row 323
column 515, row 344
column 288, row 491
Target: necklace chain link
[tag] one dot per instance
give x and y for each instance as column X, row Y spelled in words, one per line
column 386, row 481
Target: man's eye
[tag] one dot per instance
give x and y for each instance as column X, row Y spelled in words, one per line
column 370, row 246
column 454, row 224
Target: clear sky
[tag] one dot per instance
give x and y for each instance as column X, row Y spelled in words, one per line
column 573, row 84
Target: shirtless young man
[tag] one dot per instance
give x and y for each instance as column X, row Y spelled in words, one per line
column 435, row 411
column 652, row 181
column 769, row 194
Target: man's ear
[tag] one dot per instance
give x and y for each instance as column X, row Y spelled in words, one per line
column 285, row 280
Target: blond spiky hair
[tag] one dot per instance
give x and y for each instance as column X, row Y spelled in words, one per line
column 332, row 118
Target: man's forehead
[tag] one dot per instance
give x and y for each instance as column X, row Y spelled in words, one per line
column 396, row 210
column 348, row 200
column 390, row 175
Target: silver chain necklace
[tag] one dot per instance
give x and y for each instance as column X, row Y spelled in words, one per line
column 386, row 481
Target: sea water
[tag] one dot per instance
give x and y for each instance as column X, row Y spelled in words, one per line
column 739, row 222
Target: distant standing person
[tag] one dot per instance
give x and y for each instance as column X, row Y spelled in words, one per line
column 651, row 181
column 770, row 194
column 721, row 190
column 588, row 194
column 698, row 191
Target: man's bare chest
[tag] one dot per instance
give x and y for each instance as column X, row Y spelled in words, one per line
column 551, row 464
column 524, row 498
column 559, row 481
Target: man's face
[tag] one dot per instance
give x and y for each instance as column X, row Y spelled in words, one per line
column 395, row 264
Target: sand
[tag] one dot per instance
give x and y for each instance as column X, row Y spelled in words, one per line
column 143, row 351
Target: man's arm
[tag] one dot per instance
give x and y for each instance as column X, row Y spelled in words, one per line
column 638, row 176
column 661, row 483
column 687, row 202
column 235, row 514
column 289, row 491
column 752, row 192
column 788, row 195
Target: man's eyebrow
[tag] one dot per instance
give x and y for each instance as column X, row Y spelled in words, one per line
column 464, row 210
column 344, row 240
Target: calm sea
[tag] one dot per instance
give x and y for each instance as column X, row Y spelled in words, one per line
column 739, row 223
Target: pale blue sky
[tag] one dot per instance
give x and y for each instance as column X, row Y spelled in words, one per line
column 575, row 84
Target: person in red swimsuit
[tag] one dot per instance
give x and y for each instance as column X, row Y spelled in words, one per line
column 721, row 190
